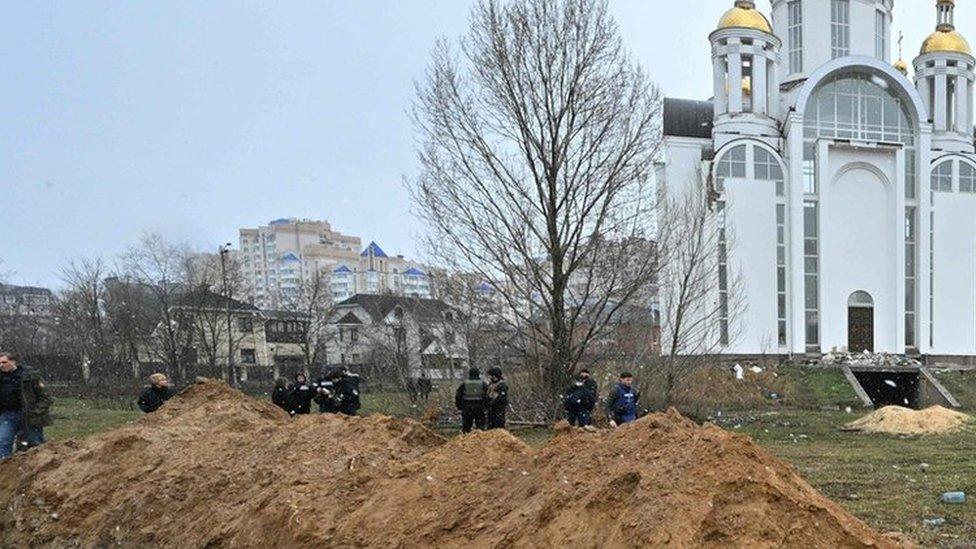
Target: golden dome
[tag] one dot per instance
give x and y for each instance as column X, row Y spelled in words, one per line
column 901, row 66
column 947, row 41
column 745, row 16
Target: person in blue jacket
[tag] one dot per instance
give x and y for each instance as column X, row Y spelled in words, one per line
column 622, row 402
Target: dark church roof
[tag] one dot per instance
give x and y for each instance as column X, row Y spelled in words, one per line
column 688, row 118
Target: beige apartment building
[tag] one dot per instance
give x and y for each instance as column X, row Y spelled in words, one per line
column 282, row 257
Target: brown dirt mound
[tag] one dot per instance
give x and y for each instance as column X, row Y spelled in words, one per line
column 214, row 468
column 896, row 420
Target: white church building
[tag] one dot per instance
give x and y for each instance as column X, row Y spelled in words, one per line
column 849, row 185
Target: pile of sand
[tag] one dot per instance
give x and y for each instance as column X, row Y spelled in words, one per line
column 896, row 420
column 215, row 468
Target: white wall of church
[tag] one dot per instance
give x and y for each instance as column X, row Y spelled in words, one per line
column 859, row 244
column 955, row 274
column 751, row 214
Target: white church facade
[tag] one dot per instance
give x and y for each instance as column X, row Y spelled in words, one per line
column 849, row 186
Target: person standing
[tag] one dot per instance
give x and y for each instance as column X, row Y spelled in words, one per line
column 24, row 404
column 300, row 396
column 622, row 402
column 424, row 386
column 497, row 398
column 279, row 395
column 326, row 394
column 471, row 398
column 156, row 394
column 347, row 388
column 580, row 400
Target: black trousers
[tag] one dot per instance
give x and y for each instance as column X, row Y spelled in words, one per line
column 496, row 418
column 472, row 415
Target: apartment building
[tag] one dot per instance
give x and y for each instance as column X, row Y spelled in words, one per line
column 278, row 260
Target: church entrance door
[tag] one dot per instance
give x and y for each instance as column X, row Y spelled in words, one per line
column 860, row 322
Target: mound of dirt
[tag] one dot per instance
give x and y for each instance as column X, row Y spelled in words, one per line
column 895, row 420
column 215, row 468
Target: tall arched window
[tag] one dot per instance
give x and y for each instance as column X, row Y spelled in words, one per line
column 754, row 162
column 942, row 177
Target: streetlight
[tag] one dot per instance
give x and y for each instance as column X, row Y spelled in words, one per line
column 224, row 251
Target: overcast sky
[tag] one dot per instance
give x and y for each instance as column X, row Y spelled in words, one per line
column 193, row 119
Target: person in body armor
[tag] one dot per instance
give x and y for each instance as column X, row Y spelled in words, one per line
column 622, row 402
column 471, row 399
column 497, row 398
column 580, row 400
column 326, row 393
column 347, row 386
column 300, row 395
column 279, row 395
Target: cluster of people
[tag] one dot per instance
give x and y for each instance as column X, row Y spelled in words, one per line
column 581, row 398
column 482, row 403
column 25, row 407
column 335, row 392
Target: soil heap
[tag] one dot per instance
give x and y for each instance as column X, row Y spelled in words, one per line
column 215, row 468
column 896, row 420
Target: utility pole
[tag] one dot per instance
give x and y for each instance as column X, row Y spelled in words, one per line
column 224, row 251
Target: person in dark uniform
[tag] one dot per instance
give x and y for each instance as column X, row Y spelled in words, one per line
column 300, row 395
column 590, row 385
column 25, row 406
column 424, row 386
column 156, row 394
column 347, row 387
column 471, row 399
column 279, row 396
column 497, row 398
column 622, row 402
column 580, row 400
column 326, row 394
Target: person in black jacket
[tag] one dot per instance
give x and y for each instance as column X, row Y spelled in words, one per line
column 156, row 394
column 25, row 407
column 580, row 399
column 326, row 393
column 300, row 395
column 471, row 399
column 347, row 387
column 497, row 398
column 279, row 396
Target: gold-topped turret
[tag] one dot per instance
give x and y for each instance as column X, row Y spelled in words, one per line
column 744, row 15
column 946, row 38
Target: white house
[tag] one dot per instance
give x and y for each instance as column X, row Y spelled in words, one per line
column 850, row 186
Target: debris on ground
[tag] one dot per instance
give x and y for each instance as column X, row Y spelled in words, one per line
column 953, row 497
column 934, row 522
column 868, row 358
column 214, row 468
column 896, row 420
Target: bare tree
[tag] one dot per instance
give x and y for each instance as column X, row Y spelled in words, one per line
column 84, row 330
column 160, row 268
column 700, row 290
column 538, row 138
column 310, row 304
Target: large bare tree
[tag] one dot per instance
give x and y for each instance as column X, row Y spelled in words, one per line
column 538, row 136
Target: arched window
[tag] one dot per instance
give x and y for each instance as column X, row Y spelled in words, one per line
column 859, row 106
column 860, row 299
column 732, row 164
column 768, row 168
column 967, row 178
column 942, row 177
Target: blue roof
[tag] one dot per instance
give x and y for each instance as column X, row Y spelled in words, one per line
column 485, row 288
column 280, row 221
column 414, row 271
column 289, row 257
column 374, row 249
column 342, row 269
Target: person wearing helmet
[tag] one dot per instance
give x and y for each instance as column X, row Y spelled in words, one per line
column 471, row 399
column 497, row 398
